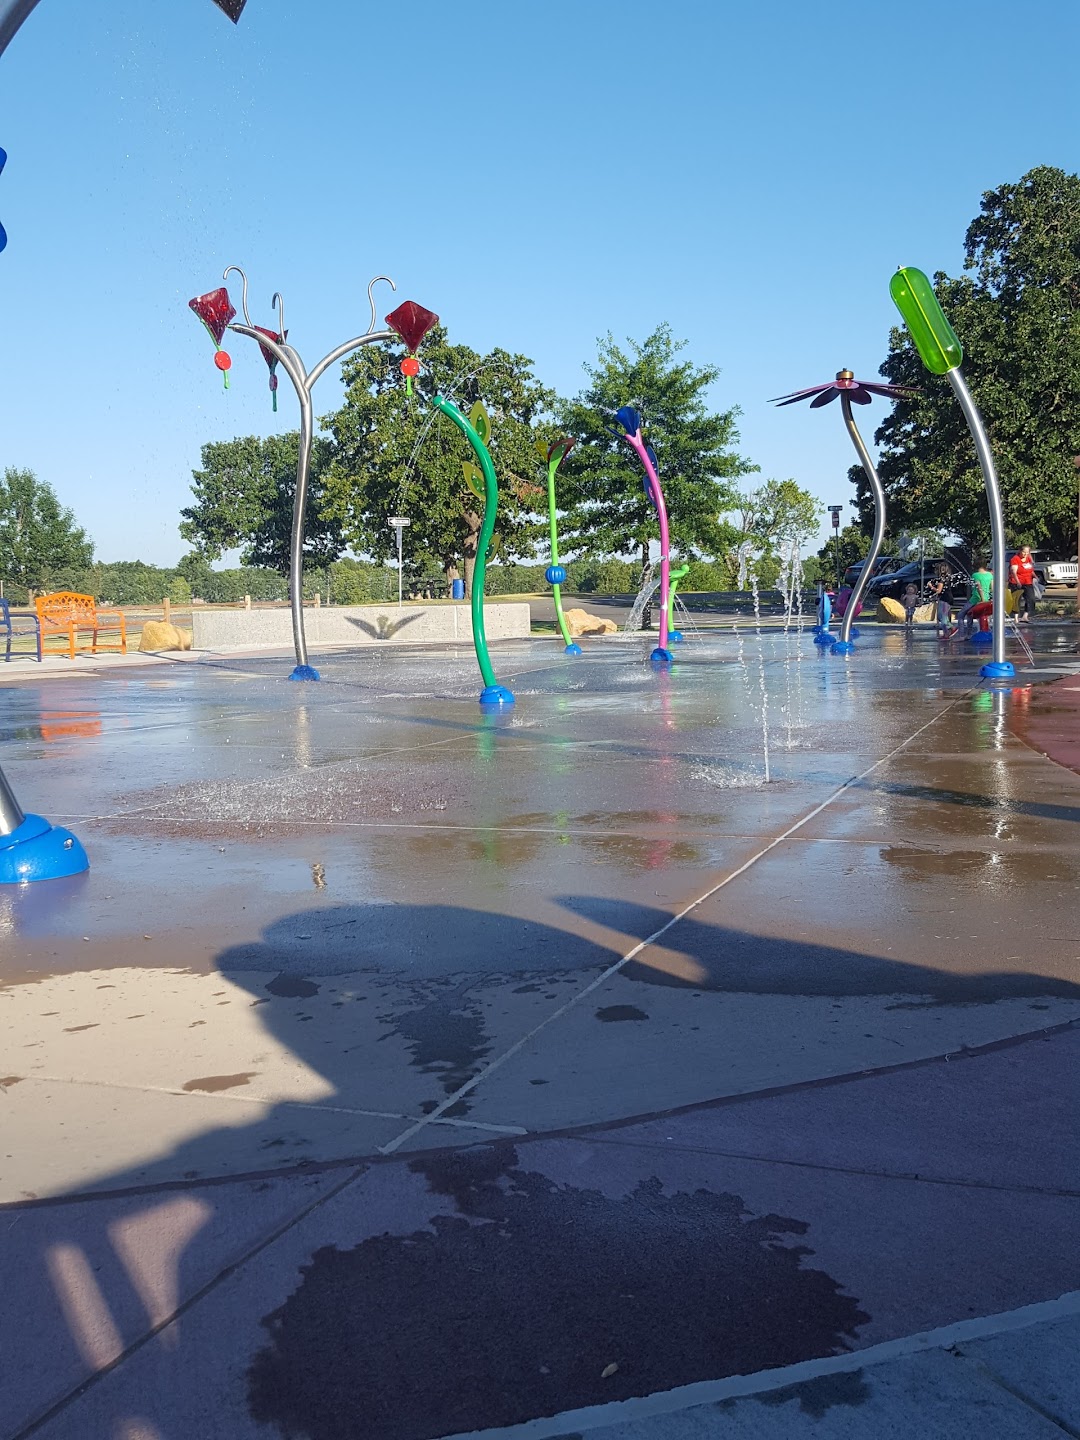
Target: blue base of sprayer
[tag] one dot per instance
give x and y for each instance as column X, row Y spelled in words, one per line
column 982, row 637
column 854, row 632
column 304, row 672
column 843, row 647
column 660, row 656
column 572, row 649
column 822, row 637
column 36, row 850
column 496, row 696
column 675, row 637
column 998, row 670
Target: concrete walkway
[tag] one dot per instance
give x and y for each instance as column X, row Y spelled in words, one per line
column 399, row 1071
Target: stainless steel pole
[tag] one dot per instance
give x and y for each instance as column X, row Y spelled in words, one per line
column 296, row 542
column 993, row 496
column 400, row 532
column 879, row 520
column 303, row 382
column 11, row 813
column 12, row 16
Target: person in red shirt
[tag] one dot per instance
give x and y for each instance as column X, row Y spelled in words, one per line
column 1022, row 577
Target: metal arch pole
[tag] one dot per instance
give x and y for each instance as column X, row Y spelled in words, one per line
column 11, row 18
column 303, row 383
column 855, row 598
column 296, row 541
column 993, row 496
column 370, row 338
column 303, row 468
column 293, row 366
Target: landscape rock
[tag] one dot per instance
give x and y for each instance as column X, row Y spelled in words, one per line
column 580, row 622
column 889, row 610
column 158, row 635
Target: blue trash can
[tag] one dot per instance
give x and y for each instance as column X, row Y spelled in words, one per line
column 457, row 590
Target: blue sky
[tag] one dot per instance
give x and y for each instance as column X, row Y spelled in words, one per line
column 539, row 174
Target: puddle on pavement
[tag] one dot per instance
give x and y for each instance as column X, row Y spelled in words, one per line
column 998, row 868
column 626, row 1296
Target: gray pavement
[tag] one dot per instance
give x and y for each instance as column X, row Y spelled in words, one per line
column 403, row 1072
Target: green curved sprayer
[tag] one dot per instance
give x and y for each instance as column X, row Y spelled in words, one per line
column 676, row 576
column 493, row 693
column 942, row 354
column 555, row 574
column 934, row 337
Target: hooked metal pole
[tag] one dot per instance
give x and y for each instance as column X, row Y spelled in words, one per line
column 302, row 383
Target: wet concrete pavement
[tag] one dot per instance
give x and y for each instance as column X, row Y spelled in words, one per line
column 334, row 934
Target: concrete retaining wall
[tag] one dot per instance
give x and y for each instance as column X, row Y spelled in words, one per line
column 357, row 625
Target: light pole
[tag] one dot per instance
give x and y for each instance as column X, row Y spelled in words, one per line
column 834, row 511
column 398, row 523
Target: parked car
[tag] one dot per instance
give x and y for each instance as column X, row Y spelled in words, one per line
column 917, row 573
column 885, row 563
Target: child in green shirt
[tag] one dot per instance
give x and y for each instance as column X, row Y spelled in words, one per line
column 983, row 582
column 982, row 590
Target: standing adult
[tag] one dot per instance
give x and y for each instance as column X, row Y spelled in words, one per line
column 1022, row 578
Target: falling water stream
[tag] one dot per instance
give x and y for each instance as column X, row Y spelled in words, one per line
column 751, row 571
column 649, row 586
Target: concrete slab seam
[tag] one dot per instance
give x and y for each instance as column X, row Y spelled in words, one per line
column 990, row 1374
column 193, row 1299
column 1049, row 1190
column 277, row 1103
column 733, row 1387
column 614, row 968
column 592, row 1132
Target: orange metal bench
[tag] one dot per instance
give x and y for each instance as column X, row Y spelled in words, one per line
column 70, row 616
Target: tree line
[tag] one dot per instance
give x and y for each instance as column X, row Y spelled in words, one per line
column 382, row 455
column 1017, row 309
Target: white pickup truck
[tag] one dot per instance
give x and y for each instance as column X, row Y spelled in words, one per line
column 1055, row 572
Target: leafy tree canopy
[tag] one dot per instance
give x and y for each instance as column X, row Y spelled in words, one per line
column 244, row 500
column 1018, row 317
column 601, row 481
column 844, row 548
column 394, row 456
column 775, row 516
column 40, row 542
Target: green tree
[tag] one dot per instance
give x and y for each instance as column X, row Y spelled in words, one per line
column 842, row 549
column 602, row 577
column 775, row 516
column 393, row 456
column 244, row 500
column 130, row 582
column 1018, row 317
column 195, row 570
column 41, row 546
column 608, row 511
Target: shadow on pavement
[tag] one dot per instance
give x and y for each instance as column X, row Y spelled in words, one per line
column 517, row 1293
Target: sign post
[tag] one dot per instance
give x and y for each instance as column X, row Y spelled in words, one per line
column 398, row 523
column 834, row 511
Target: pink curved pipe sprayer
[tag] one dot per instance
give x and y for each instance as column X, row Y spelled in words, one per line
column 630, row 420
